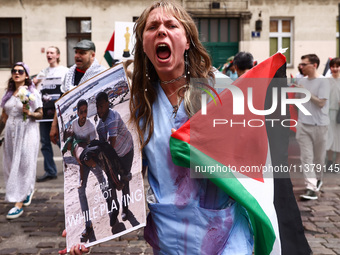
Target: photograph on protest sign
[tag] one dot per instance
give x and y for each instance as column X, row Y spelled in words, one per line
column 103, row 183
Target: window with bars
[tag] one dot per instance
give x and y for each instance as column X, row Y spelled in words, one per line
column 10, row 41
column 218, row 29
column 77, row 29
column 280, row 36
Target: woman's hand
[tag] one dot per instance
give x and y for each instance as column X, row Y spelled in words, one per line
column 54, row 133
column 3, row 120
column 37, row 114
column 76, row 249
column 26, row 109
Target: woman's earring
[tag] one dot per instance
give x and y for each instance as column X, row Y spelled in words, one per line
column 146, row 70
column 186, row 62
column 146, row 73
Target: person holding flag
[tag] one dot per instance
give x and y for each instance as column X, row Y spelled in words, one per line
column 195, row 215
column 186, row 214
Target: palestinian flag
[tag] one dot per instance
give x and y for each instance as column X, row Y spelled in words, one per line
column 109, row 51
column 237, row 148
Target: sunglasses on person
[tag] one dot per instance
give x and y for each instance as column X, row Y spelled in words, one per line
column 20, row 71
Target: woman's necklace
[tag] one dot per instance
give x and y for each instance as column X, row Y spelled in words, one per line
column 173, row 93
column 185, row 86
column 174, row 112
column 176, row 107
column 173, row 80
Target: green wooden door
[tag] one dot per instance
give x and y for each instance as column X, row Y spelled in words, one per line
column 220, row 52
column 220, row 36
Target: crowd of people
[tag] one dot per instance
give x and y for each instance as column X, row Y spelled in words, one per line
column 168, row 54
column 29, row 103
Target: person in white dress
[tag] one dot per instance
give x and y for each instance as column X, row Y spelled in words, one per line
column 333, row 141
column 21, row 138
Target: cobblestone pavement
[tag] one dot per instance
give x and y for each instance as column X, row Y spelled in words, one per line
column 38, row 230
column 321, row 218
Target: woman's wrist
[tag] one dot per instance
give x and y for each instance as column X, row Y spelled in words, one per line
column 35, row 115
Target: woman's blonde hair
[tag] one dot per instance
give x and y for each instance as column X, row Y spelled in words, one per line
column 145, row 78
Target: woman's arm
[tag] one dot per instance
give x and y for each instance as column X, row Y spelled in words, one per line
column 37, row 114
column 3, row 120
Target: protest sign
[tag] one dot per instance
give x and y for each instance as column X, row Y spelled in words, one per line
column 104, row 191
column 50, row 93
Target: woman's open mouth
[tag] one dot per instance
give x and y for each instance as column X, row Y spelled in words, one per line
column 163, row 51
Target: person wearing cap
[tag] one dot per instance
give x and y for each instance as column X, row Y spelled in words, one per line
column 21, row 141
column 86, row 66
column 49, row 80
